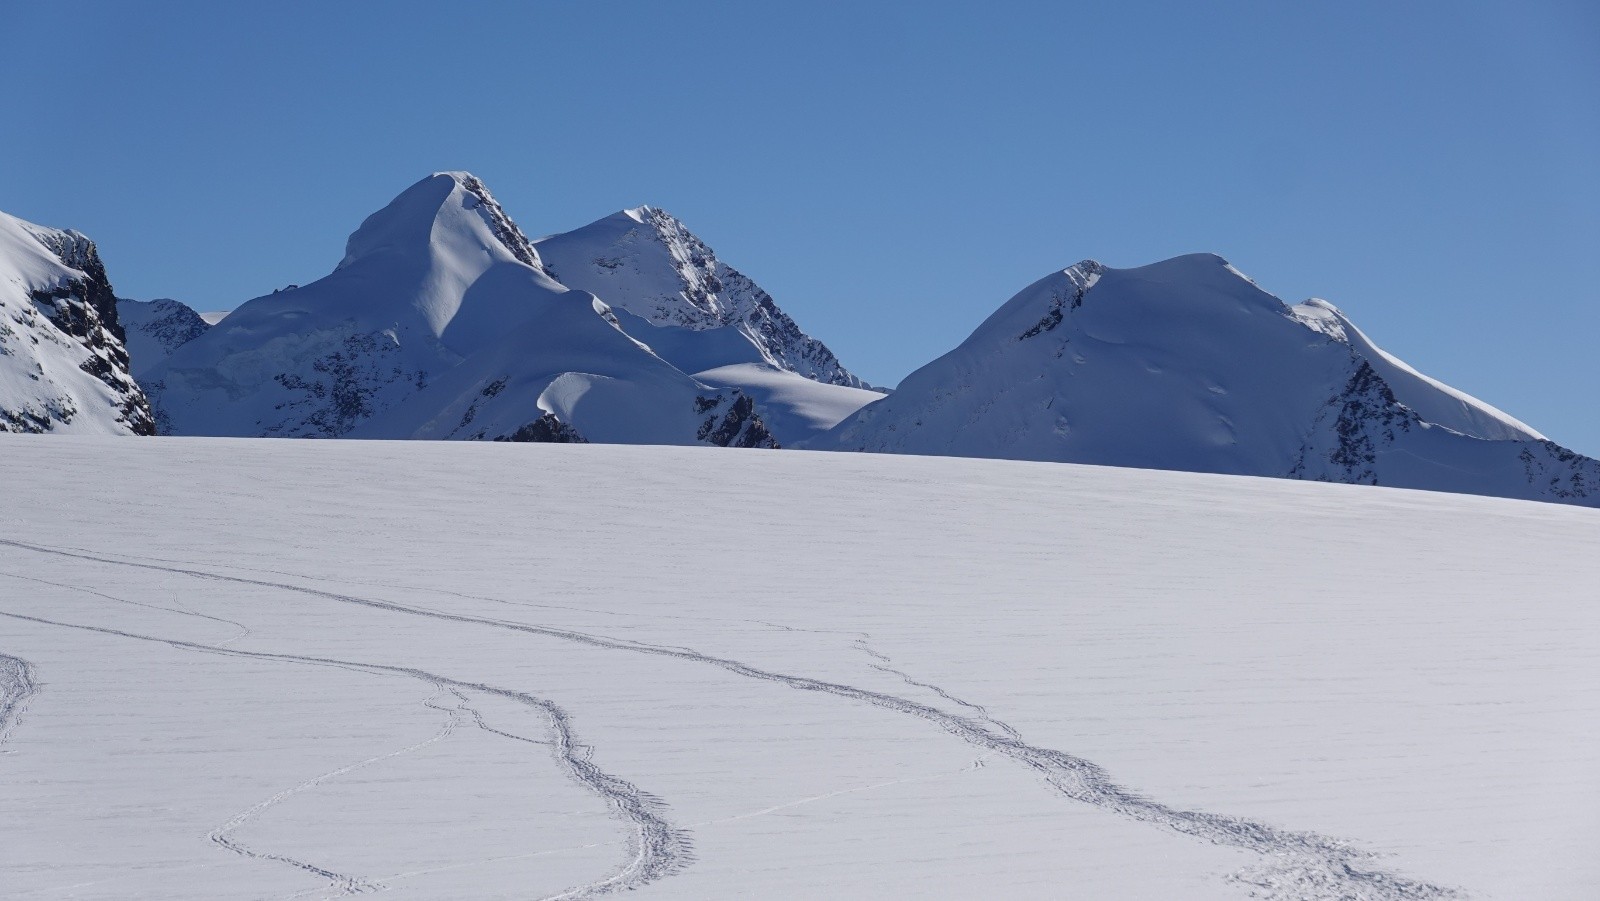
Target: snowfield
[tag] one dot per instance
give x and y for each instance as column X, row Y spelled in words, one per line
column 236, row 668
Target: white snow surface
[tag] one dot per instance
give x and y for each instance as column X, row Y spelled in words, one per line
column 43, row 383
column 248, row 669
column 1187, row 365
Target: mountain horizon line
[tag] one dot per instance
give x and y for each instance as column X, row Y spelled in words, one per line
column 443, row 320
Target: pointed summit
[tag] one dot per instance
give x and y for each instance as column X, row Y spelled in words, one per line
column 438, row 274
column 646, row 262
column 453, row 206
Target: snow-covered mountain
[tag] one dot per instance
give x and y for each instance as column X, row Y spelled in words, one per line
column 155, row 328
column 440, row 322
column 444, row 321
column 63, row 366
column 646, row 263
column 1188, row 365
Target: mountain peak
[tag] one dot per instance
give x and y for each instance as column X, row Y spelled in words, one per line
column 647, row 263
column 451, row 207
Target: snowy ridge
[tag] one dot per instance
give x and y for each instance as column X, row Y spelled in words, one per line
column 1188, row 365
column 63, row 366
column 648, row 263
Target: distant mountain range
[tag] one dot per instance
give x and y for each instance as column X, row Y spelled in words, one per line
column 445, row 321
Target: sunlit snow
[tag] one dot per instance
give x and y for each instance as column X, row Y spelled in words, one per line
column 252, row 669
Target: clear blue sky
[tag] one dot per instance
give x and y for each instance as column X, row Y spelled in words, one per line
column 890, row 174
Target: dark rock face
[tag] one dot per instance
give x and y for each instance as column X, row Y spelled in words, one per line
column 344, row 389
column 501, row 224
column 1062, row 301
column 1365, row 417
column 85, row 309
column 1560, row 472
column 739, row 426
column 547, row 429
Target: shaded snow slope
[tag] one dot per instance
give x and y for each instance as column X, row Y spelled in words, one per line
column 1187, row 365
column 475, row 670
column 646, row 262
column 793, row 406
column 439, row 304
column 63, row 366
column 155, row 328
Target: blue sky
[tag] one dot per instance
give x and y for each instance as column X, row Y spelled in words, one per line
column 890, row 174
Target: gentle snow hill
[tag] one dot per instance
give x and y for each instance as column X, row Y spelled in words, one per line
column 155, row 328
column 440, row 322
column 647, row 263
column 479, row 670
column 63, row 366
column 1187, row 365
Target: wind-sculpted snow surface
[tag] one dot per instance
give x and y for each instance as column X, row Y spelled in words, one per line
column 955, row 678
column 1298, row 862
column 1188, row 365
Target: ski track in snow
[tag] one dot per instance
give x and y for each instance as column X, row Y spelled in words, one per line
column 1298, row 865
column 657, row 848
column 181, row 608
column 345, row 884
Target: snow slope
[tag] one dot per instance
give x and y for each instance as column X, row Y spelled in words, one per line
column 1187, row 365
column 63, row 366
column 440, row 322
column 155, row 328
column 648, row 263
column 477, row 670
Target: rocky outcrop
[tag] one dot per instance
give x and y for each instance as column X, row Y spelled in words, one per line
column 547, row 429
column 733, row 422
column 58, row 312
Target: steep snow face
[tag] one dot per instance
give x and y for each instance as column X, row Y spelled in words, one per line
column 1431, row 399
column 63, row 366
column 649, row 264
column 440, row 322
column 1188, row 365
column 155, row 328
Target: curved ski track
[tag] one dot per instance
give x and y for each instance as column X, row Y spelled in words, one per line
column 657, row 848
column 1299, row 866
